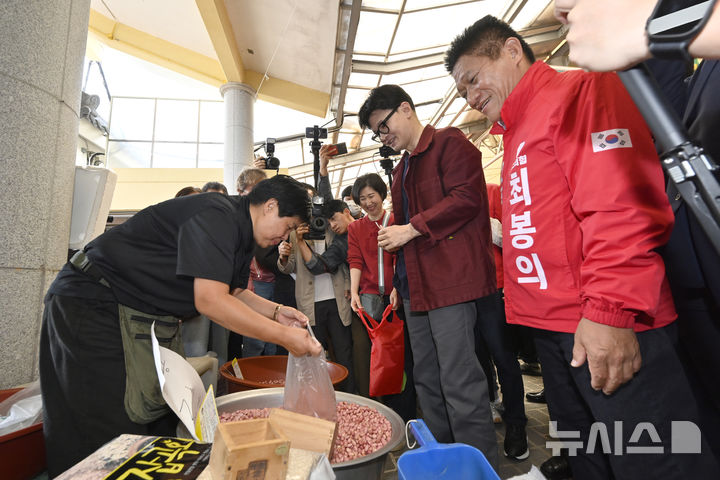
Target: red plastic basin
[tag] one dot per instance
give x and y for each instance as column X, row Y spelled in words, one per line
column 268, row 372
column 22, row 453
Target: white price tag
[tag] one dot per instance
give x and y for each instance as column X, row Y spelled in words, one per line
column 236, row 369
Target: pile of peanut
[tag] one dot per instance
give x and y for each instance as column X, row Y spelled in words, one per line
column 361, row 430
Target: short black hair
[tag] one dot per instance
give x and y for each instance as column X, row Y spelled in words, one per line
column 384, row 97
column 372, row 180
column 485, row 37
column 347, row 192
column 334, row 206
column 214, row 186
column 291, row 195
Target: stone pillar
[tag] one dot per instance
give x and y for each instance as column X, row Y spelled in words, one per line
column 42, row 46
column 239, row 101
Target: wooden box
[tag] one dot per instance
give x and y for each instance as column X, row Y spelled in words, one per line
column 303, row 431
column 249, row 450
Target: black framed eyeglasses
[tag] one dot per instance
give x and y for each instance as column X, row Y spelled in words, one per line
column 382, row 128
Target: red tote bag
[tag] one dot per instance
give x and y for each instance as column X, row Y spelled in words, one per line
column 387, row 356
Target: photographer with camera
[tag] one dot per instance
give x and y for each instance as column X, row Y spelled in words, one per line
column 322, row 284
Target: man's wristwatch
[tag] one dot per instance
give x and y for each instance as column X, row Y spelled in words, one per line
column 670, row 31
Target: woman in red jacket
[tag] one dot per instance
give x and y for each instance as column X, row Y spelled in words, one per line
column 369, row 191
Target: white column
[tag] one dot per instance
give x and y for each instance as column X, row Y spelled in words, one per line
column 239, row 101
column 42, row 45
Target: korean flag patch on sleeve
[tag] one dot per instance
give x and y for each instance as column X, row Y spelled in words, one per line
column 609, row 139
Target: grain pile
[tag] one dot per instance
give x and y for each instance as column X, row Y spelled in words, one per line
column 361, row 430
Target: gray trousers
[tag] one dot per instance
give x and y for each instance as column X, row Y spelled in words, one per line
column 450, row 384
column 200, row 334
column 195, row 335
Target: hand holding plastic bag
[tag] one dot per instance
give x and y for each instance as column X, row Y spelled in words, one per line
column 308, row 388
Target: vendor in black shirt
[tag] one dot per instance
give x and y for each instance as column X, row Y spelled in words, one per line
column 170, row 261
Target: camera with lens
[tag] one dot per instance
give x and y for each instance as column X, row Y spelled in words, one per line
column 318, row 223
column 387, row 151
column 271, row 161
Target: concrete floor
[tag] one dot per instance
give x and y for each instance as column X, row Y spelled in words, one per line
column 537, row 429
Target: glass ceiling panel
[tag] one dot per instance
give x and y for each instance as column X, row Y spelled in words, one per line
column 266, row 122
column 363, row 80
column 374, row 32
column 449, row 116
column 373, row 167
column 411, row 5
column 420, row 29
column 428, row 90
column 367, row 141
column 354, row 98
column 384, row 4
column 529, row 13
column 288, row 153
column 444, row 121
column 417, row 53
column 351, row 125
column 468, row 115
column 369, row 58
column 348, row 139
column 425, row 112
column 419, row 74
column 351, row 172
column 456, row 105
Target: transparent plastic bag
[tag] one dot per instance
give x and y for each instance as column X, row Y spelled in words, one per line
column 308, row 465
column 21, row 410
column 322, row 470
column 308, row 388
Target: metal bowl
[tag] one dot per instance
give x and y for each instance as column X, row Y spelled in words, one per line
column 363, row 468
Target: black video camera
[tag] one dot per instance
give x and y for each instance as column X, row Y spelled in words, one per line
column 387, row 163
column 318, row 223
column 271, row 161
column 315, row 132
column 387, row 151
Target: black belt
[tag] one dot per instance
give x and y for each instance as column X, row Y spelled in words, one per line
column 82, row 263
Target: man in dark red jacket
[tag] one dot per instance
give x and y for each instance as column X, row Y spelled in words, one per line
column 584, row 208
column 444, row 263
